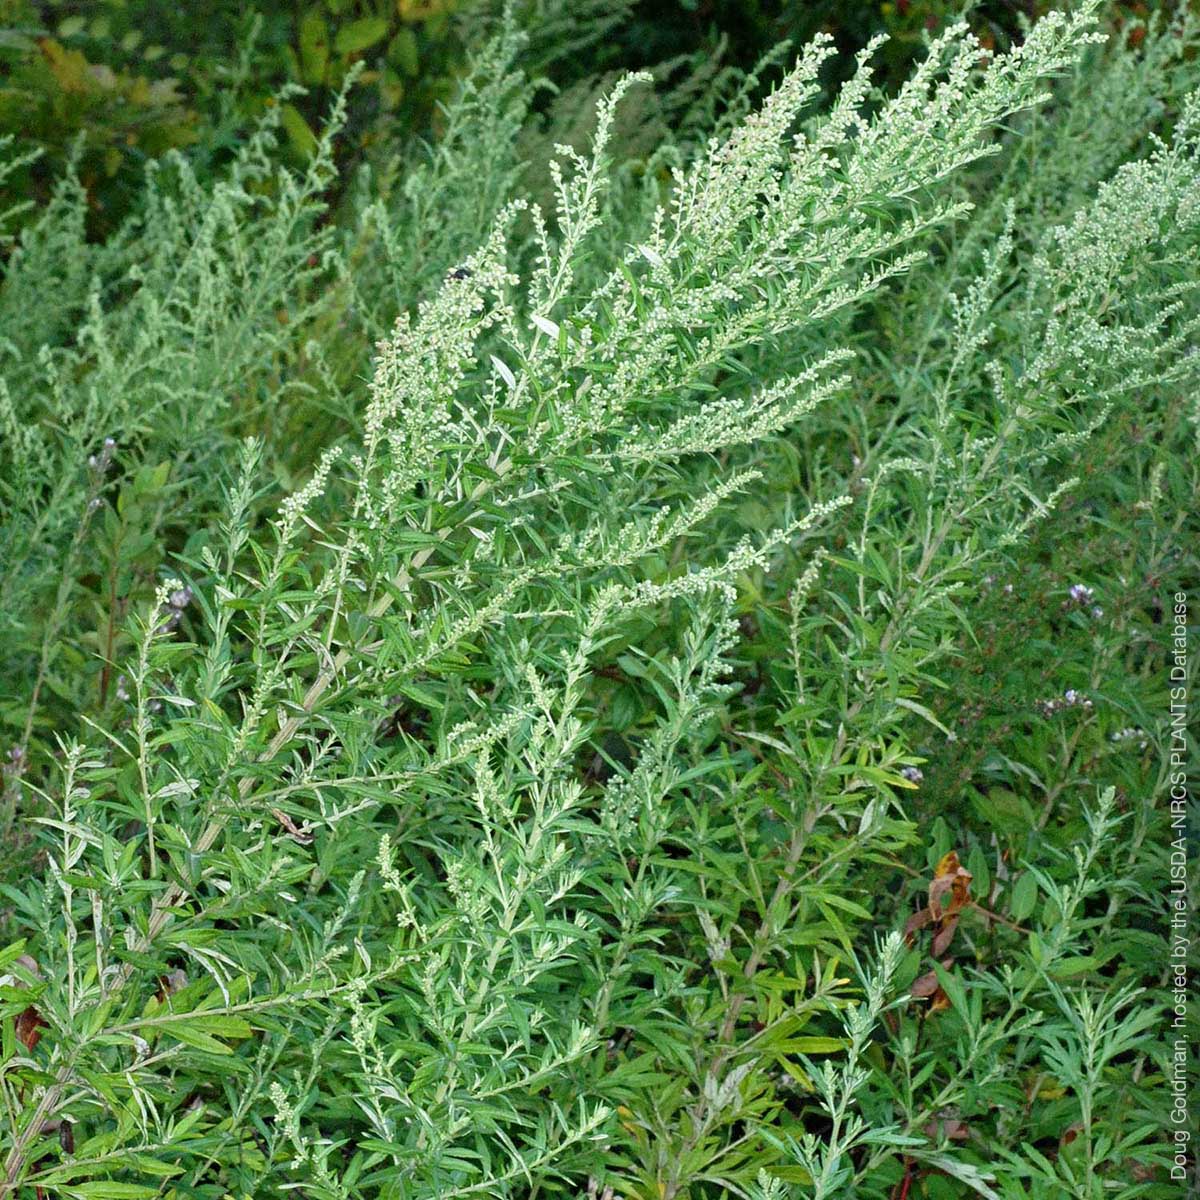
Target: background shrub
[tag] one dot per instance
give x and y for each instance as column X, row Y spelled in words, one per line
column 616, row 655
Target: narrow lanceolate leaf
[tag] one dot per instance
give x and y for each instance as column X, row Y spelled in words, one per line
column 503, row 371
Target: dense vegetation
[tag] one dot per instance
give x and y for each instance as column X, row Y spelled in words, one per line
column 604, row 638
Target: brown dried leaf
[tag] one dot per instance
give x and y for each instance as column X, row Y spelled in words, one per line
column 30, row 964
column 948, row 1126
column 170, row 983
column 1070, row 1134
column 294, row 830
column 28, row 1027
column 951, row 879
column 918, row 920
column 924, row 987
column 944, row 936
column 927, row 987
column 947, row 865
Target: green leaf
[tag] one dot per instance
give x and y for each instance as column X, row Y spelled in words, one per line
column 832, row 898
column 626, row 708
column 1004, row 811
column 314, row 48
column 223, row 1025
column 109, row 1189
column 815, row 1045
column 1069, row 967
column 964, row 1172
column 201, row 1030
column 981, row 876
column 359, row 35
column 11, row 953
column 790, row 1175
column 402, row 52
column 1036, row 950
column 1024, row 897
column 296, row 127
column 955, row 992
column 198, row 1039
column 922, row 711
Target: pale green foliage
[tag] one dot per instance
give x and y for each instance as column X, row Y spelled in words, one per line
column 168, row 338
column 439, row 933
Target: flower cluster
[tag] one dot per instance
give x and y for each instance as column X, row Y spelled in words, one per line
column 1131, row 734
column 172, row 611
column 1081, row 596
column 99, row 463
column 1071, row 698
